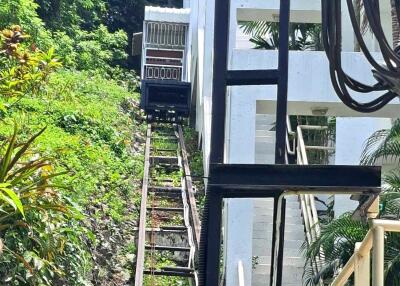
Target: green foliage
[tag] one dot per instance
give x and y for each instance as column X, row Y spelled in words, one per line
column 71, row 15
column 383, row 144
column 74, row 28
column 100, row 49
column 23, row 13
column 265, row 35
column 40, row 235
column 337, row 241
column 22, row 70
column 86, row 131
column 88, row 134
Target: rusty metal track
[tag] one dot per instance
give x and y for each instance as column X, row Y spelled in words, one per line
column 183, row 204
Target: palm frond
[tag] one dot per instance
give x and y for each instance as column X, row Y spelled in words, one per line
column 337, row 241
column 258, row 28
column 383, row 144
column 392, row 181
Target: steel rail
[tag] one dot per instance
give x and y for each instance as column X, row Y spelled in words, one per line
column 143, row 211
column 189, row 189
column 191, row 226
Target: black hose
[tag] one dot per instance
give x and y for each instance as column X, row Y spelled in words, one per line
column 332, row 39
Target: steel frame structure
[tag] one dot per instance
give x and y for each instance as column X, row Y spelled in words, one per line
column 262, row 181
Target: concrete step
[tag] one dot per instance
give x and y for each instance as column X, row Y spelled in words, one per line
column 268, row 225
column 262, row 242
column 291, row 218
column 265, row 118
column 290, row 212
column 288, row 261
column 291, row 248
column 264, row 159
column 288, row 280
column 260, row 233
column 265, row 136
column 289, row 244
column 262, row 132
column 290, row 204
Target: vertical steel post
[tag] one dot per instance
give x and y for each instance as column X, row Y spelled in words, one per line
column 210, row 264
column 210, row 240
column 221, row 38
column 283, row 68
column 281, row 132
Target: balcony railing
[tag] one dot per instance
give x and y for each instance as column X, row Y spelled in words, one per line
column 163, row 72
column 360, row 261
column 166, row 35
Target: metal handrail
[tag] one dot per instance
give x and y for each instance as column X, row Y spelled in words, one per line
column 290, row 134
column 240, row 273
column 309, row 209
column 359, row 263
column 307, row 201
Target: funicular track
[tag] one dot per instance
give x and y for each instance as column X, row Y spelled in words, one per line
column 169, row 226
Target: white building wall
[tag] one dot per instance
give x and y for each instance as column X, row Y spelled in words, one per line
column 351, row 135
column 309, row 87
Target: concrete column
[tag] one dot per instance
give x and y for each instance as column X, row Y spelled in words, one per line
column 239, row 212
column 206, row 70
column 348, row 41
column 351, row 135
column 238, row 239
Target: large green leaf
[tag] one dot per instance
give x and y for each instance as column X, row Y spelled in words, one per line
column 11, row 198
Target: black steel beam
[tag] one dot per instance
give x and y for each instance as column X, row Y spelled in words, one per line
column 220, row 65
column 168, row 248
column 283, row 67
column 252, row 77
column 169, row 273
column 281, row 129
column 165, row 209
column 258, row 179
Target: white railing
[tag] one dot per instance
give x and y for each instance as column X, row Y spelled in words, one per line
column 240, row 273
column 166, row 35
column 360, row 261
column 163, row 72
column 307, row 201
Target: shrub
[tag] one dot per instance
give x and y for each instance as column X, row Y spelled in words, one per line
column 40, row 234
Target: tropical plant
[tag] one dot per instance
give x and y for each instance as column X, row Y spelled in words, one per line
column 337, row 240
column 22, row 69
column 39, row 233
column 338, row 237
column 265, row 35
column 383, row 144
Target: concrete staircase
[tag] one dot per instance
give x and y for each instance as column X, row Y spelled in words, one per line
column 262, row 242
column 263, row 220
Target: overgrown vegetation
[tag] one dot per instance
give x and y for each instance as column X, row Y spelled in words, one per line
column 70, row 154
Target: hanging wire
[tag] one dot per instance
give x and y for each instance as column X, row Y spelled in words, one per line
column 387, row 76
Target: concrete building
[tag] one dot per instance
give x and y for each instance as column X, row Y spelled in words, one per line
column 250, row 134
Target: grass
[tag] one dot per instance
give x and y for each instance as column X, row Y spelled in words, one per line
column 159, row 260
column 91, row 123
